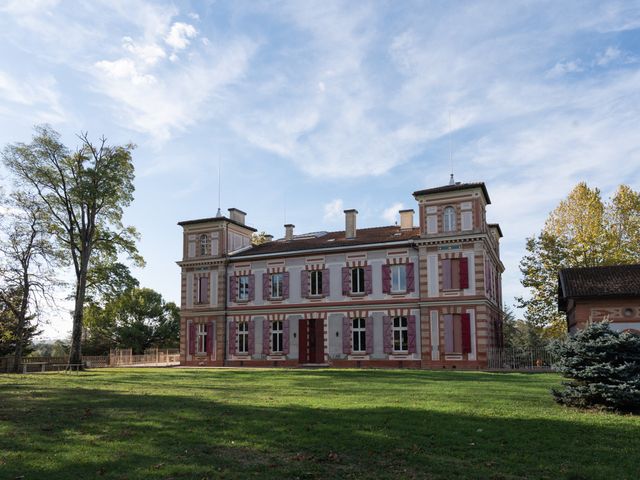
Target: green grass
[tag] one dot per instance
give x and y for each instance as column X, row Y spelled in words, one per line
column 197, row 424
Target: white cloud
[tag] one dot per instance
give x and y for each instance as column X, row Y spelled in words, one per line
column 179, row 35
column 125, row 69
column 562, row 68
column 40, row 94
column 149, row 53
column 334, row 210
column 391, row 214
column 609, row 55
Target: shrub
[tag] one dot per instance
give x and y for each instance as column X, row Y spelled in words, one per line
column 604, row 366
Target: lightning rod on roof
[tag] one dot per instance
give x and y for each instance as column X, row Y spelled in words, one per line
column 451, row 180
column 219, row 212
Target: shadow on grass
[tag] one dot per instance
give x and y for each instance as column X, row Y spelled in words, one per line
column 61, row 433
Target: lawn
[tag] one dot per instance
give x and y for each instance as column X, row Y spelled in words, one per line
column 205, row 424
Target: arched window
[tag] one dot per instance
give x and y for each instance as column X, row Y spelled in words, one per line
column 204, row 244
column 449, row 219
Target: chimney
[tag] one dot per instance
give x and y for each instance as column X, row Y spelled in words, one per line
column 268, row 238
column 350, row 223
column 288, row 231
column 237, row 215
column 406, row 219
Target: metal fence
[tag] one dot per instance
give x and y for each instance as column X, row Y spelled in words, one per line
column 534, row 359
column 151, row 357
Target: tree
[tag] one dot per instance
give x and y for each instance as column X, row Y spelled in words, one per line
column 259, row 238
column 604, row 366
column 26, row 269
column 139, row 318
column 83, row 193
column 583, row 231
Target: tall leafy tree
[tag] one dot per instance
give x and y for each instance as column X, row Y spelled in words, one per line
column 27, row 263
column 83, row 192
column 583, row 231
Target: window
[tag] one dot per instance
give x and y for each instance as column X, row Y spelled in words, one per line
column 400, row 334
column 359, row 332
column 357, row 280
column 243, row 287
column 316, row 282
column 398, row 278
column 201, row 338
column 243, row 337
column 457, row 333
column 455, row 273
column 449, row 219
column 276, row 336
column 203, row 289
column 204, row 244
column 276, row 285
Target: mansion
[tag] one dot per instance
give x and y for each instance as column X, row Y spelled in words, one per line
column 425, row 295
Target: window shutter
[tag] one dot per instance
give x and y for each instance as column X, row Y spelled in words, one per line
column 466, row 332
column 446, row 273
column 411, row 279
column 346, row 335
column 386, row 278
column 346, row 280
column 252, row 288
column 266, row 332
column 233, row 337
column 211, row 333
column 266, row 286
column 387, row 333
column 304, row 283
column 233, row 289
column 464, row 272
column 411, row 333
column 252, row 337
column 448, row 334
column 192, row 250
column 285, row 285
column 326, row 283
column 369, row 335
column 285, row 335
column 192, row 338
column 204, row 289
column 432, row 224
column 368, row 280
column 466, row 221
column 455, row 273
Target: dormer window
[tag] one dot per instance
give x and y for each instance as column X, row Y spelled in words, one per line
column 204, row 244
column 449, row 219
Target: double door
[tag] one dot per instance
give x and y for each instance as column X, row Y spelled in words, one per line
column 311, row 342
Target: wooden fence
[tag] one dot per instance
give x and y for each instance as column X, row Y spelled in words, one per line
column 535, row 359
column 117, row 358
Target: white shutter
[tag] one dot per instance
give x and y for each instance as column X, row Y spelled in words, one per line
column 192, row 250
column 432, row 275
column 213, row 288
column 467, row 223
column 435, row 336
column 215, row 244
column 189, row 290
column 432, row 224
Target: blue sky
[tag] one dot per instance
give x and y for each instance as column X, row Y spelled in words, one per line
column 315, row 107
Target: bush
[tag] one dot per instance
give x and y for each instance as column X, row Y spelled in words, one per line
column 604, row 366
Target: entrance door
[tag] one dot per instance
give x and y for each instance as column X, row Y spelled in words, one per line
column 311, row 342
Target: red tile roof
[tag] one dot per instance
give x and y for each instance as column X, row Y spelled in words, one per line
column 364, row 236
column 607, row 281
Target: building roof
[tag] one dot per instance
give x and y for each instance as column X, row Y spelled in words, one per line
column 455, row 187
column 608, row 281
column 496, row 226
column 216, row 219
column 322, row 240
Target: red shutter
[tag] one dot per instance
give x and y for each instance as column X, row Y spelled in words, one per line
column 266, row 331
column 233, row 289
column 233, row 337
column 411, row 279
column 387, row 332
column 346, row 335
column 326, row 282
column 368, row 280
column 369, row 335
column 304, row 283
column 285, row 285
column 411, row 333
column 252, row 337
column 252, row 288
column 192, row 338
column 266, row 286
column 285, row 336
column 464, row 272
column 466, row 332
column 346, row 281
column 211, row 329
column 386, row 278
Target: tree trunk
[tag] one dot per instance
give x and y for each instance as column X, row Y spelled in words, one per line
column 75, row 354
column 22, row 316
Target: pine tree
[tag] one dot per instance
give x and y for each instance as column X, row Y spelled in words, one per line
column 604, row 366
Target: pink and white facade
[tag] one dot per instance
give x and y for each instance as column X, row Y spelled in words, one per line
column 420, row 296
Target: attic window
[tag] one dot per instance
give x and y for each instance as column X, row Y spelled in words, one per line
column 397, row 234
column 331, row 240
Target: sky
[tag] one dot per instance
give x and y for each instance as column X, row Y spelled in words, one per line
column 312, row 107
